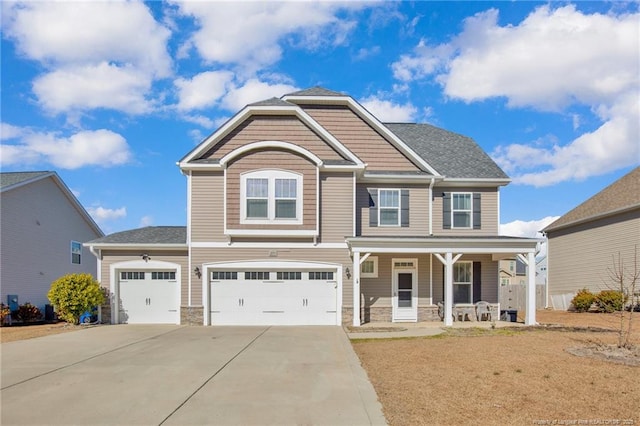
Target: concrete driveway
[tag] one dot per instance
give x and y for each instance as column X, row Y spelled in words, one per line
column 173, row 375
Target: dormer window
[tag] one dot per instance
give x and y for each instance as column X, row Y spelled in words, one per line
column 271, row 197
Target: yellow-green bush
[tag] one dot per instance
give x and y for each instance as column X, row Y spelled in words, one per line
column 611, row 300
column 583, row 300
column 74, row 294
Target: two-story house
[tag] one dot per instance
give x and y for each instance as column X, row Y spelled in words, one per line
column 309, row 210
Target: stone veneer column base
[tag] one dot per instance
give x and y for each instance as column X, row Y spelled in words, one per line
column 428, row 313
column 105, row 313
column 191, row 315
column 347, row 315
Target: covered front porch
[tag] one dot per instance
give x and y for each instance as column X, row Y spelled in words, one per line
column 433, row 279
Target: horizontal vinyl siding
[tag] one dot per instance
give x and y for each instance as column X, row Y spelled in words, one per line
column 360, row 138
column 207, row 207
column 38, row 224
column 272, row 159
column 230, row 254
column 274, row 128
column 377, row 292
column 489, row 280
column 581, row 256
column 418, row 212
column 109, row 257
column 489, row 212
column 336, row 200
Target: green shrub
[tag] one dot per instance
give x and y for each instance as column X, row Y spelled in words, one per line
column 74, row 294
column 27, row 313
column 583, row 300
column 611, row 300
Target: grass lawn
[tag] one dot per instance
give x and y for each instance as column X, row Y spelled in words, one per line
column 503, row 377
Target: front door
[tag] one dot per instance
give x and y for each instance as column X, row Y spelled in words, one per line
column 405, row 299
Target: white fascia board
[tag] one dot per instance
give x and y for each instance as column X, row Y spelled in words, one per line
column 459, row 245
column 259, row 264
column 391, row 178
column 344, row 167
column 445, row 249
column 200, row 166
column 268, row 233
column 271, row 245
column 370, row 119
column 470, row 182
column 150, row 246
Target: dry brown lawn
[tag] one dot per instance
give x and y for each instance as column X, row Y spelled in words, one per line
column 506, row 376
column 13, row 333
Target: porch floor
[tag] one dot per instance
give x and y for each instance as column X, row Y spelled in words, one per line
column 386, row 330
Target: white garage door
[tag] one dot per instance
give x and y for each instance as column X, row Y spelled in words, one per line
column 149, row 297
column 284, row 297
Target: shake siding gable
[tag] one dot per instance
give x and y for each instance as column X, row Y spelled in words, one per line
column 277, row 128
column 360, row 138
column 207, row 206
column 272, row 159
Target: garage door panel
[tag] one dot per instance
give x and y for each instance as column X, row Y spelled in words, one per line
column 294, row 302
column 149, row 301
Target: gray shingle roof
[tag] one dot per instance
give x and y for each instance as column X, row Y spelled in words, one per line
column 12, row 178
column 147, row 235
column 315, row 91
column 451, row 154
column 621, row 195
column 272, row 102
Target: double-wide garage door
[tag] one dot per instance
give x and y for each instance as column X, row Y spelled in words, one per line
column 268, row 297
column 148, row 297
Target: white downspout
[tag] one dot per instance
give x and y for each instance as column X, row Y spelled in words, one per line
column 431, row 206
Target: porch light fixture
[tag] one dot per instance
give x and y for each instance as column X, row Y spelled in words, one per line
column 347, row 272
column 145, row 257
column 196, row 271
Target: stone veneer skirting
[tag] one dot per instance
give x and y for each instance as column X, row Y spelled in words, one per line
column 191, row 315
column 384, row 314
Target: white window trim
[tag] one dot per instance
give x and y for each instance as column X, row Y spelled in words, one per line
column 72, row 252
column 271, row 176
column 470, row 283
column 374, row 274
column 399, row 208
column 470, row 211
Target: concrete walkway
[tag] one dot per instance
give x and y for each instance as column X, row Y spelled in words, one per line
column 153, row 375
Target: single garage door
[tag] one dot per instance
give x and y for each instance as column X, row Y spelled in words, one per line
column 283, row 297
column 149, row 297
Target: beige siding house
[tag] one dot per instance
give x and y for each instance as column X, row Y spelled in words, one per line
column 309, row 210
column 583, row 243
column 43, row 229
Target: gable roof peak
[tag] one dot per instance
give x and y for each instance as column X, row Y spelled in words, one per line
column 315, row 91
column 12, row 178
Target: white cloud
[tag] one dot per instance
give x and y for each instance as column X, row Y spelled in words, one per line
column 102, row 148
column 146, row 221
column 203, row 90
column 365, row 53
column 528, row 229
column 553, row 59
column 254, row 90
column 101, row 214
column 96, row 54
column 9, row 131
column 390, row 112
column 256, row 43
column 90, row 87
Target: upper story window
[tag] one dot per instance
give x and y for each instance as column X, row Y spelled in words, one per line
column 389, row 210
column 271, row 196
column 461, row 210
column 76, row 252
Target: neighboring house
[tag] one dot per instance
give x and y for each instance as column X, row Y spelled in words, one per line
column 43, row 230
column 583, row 244
column 541, row 270
column 308, row 210
column 507, row 271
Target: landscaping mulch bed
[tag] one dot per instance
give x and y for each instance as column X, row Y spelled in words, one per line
column 29, row 331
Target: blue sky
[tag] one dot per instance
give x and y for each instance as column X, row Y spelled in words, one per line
column 111, row 94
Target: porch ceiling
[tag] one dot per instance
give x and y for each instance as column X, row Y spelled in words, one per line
column 442, row 244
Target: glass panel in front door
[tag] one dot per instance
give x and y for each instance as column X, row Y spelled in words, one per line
column 405, row 290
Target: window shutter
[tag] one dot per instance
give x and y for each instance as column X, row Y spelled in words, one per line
column 477, row 282
column 404, row 208
column 476, row 211
column 373, row 207
column 446, row 210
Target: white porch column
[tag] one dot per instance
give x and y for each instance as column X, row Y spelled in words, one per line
column 356, row 289
column 448, row 289
column 530, row 316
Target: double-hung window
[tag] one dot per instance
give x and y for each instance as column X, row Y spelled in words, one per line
column 389, row 207
column 461, row 210
column 462, row 282
column 271, row 196
column 76, row 252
